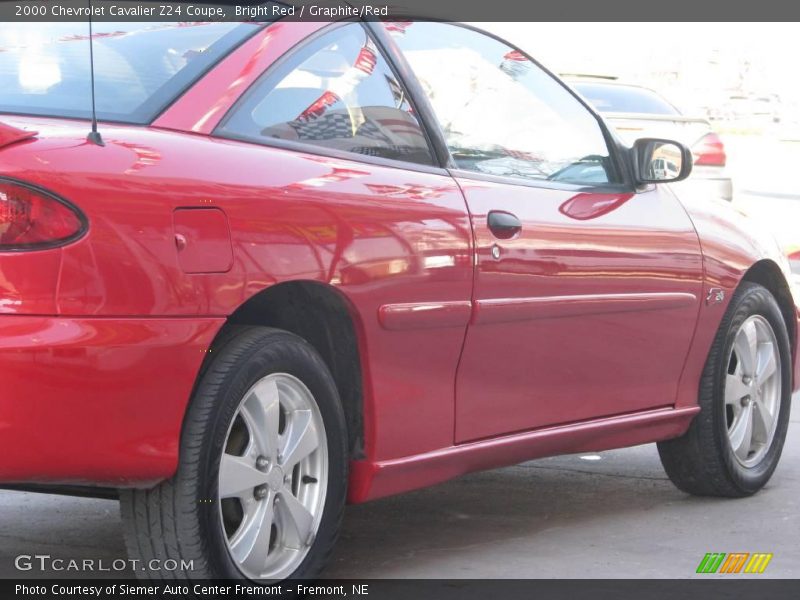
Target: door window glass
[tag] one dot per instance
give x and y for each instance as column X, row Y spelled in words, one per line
column 502, row 114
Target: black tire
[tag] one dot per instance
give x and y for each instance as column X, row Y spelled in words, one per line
column 180, row 518
column 701, row 462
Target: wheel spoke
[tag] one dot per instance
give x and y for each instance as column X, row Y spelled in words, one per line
column 763, row 420
column 302, row 439
column 250, row 545
column 735, row 390
column 238, row 476
column 261, row 411
column 746, row 347
column 296, row 520
column 741, row 434
column 767, row 365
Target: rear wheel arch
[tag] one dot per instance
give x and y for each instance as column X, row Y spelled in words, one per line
column 326, row 319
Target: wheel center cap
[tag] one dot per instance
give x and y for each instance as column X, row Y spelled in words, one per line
column 275, row 479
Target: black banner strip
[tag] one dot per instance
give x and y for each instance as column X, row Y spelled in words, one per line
column 716, row 587
column 447, row 10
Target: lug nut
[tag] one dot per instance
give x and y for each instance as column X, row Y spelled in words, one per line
column 260, row 492
column 262, row 463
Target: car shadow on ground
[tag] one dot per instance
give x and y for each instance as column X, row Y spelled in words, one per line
column 613, row 514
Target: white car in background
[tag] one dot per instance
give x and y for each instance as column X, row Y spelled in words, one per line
column 664, row 169
column 639, row 112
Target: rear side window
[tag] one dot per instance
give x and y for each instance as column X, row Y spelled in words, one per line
column 337, row 92
column 139, row 67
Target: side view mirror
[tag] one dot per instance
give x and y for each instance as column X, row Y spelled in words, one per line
column 661, row 161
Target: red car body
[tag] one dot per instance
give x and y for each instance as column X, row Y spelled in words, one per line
column 615, row 298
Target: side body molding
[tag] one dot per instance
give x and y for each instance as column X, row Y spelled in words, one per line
column 507, row 310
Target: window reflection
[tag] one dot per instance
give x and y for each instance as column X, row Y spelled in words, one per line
column 337, row 93
column 501, row 114
column 138, row 67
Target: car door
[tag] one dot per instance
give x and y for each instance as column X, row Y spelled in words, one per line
column 586, row 290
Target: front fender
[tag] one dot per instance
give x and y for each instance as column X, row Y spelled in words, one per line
column 734, row 247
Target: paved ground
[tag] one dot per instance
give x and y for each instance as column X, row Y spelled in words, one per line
column 563, row 517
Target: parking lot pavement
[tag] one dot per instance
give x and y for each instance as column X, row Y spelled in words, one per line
column 565, row 517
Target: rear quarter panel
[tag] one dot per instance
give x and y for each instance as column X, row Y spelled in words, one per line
column 382, row 236
column 390, row 240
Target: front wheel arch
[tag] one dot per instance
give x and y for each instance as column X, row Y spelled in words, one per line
column 701, row 461
column 768, row 274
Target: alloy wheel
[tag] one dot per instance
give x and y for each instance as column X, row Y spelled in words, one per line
column 753, row 391
column 273, row 477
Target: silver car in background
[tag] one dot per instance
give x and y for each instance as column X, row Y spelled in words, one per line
column 639, row 112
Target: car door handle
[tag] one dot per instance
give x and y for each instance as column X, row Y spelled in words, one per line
column 503, row 225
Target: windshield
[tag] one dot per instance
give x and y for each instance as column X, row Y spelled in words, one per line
column 140, row 68
column 624, row 99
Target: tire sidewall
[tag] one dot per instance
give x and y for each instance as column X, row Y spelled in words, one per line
column 282, row 353
column 754, row 300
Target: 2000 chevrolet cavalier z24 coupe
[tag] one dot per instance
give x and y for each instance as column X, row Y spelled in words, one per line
column 306, row 263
